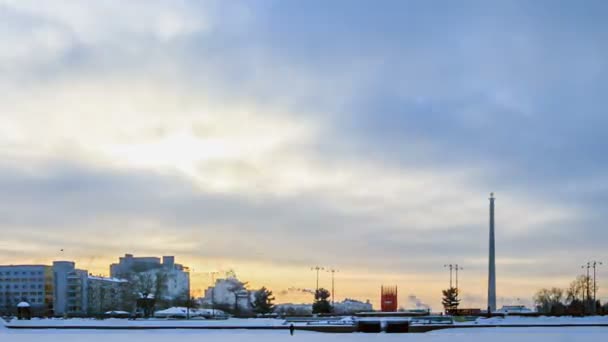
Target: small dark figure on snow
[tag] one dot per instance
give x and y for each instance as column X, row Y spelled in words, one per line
column 291, row 329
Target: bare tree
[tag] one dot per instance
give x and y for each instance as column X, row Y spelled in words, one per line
column 144, row 284
column 235, row 287
column 547, row 299
column 577, row 291
column 143, row 291
column 160, row 287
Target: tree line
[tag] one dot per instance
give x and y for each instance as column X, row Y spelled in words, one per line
column 578, row 299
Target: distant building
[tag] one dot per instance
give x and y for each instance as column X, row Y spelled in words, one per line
column 346, row 307
column 177, row 284
column 70, row 289
column 60, row 289
column 78, row 293
column 351, row 306
column 129, row 264
column 26, row 283
column 514, row 309
column 289, row 309
column 388, row 298
column 466, row 312
column 229, row 294
column 107, row 294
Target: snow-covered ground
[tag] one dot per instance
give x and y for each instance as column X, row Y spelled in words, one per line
column 114, row 322
column 531, row 334
column 518, row 320
column 452, row 335
column 565, row 331
column 235, row 322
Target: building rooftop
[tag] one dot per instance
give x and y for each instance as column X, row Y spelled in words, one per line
column 109, row 279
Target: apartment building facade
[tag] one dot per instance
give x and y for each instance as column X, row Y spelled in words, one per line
column 26, row 283
column 60, row 290
column 176, row 276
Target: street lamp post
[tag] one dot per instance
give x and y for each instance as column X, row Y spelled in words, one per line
column 333, row 272
column 456, row 267
column 317, row 268
column 583, row 289
column 451, row 267
column 594, row 265
column 586, row 291
column 587, row 282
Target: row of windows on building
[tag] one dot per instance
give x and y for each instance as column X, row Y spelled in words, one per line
column 8, row 273
column 23, row 280
column 6, row 295
column 24, row 286
column 30, row 300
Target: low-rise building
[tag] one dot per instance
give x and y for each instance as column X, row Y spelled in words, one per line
column 107, row 295
column 514, row 309
column 351, row 306
column 288, row 309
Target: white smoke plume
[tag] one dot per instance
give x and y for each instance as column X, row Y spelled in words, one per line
column 416, row 302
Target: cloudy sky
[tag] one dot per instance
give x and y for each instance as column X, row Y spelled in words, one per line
column 270, row 136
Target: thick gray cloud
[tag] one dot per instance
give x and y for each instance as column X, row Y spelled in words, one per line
column 63, row 198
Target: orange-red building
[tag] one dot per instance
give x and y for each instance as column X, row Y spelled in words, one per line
column 388, row 299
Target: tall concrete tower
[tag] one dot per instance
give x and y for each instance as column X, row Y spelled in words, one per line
column 492, row 261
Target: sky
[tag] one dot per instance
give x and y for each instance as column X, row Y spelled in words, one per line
column 270, row 136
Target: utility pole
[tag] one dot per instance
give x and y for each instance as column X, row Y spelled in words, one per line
column 456, row 267
column 317, row 268
column 583, row 289
column 451, row 267
column 333, row 272
column 586, row 291
column 594, row 265
column 587, row 282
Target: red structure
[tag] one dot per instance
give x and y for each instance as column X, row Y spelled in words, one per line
column 388, row 299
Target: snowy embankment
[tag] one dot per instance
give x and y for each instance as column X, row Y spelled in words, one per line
column 526, row 321
column 263, row 323
column 145, row 323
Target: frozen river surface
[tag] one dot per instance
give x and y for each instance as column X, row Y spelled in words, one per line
column 451, row 335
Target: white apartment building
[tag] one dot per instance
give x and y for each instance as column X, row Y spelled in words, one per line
column 177, row 285
column 60, row 289
column 30, row 283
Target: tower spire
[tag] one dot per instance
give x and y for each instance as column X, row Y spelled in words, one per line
column 492, row 261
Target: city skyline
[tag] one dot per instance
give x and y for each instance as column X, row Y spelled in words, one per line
column 269, row 137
